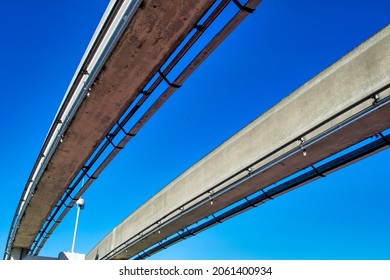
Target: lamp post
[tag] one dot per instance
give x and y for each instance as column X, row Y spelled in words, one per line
column 80, row 205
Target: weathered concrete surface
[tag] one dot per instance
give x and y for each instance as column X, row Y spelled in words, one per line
column 156, row 29
column 307, row 112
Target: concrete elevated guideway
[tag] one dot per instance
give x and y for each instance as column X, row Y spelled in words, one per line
column 132, row 43
column 343, row 105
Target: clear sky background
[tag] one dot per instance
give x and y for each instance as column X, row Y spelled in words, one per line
column 274, row 51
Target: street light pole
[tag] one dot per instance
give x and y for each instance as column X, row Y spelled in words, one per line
column 80, row 205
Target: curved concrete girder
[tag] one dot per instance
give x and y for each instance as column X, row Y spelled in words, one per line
column 339, row 92
column 154, row 32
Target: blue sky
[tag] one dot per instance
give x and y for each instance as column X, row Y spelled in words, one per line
column 274, row 51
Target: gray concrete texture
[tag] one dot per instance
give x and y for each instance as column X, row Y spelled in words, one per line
column 155, row 31
column 339, row 92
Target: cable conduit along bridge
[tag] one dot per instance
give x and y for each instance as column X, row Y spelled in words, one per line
column 302, row 138
column 135, row 47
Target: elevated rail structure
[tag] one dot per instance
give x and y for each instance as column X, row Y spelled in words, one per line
column 317, row 171
column 345, row 104
column 135, row 47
